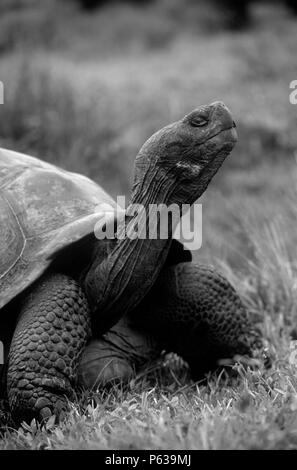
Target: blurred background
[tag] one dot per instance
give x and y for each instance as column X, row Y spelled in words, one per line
column 87, row 82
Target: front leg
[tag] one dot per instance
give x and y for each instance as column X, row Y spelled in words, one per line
column 195, row 312
column 51, row 332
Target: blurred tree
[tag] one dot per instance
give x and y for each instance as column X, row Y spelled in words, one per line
column 235, row 12
column 292, row 4
column 92, row 4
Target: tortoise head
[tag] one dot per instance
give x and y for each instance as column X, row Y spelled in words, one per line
column 180, row 160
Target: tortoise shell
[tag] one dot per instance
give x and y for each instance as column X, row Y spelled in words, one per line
column 42, row 210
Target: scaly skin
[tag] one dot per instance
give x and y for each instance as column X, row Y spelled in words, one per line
column 195, row 312
column 51, row 332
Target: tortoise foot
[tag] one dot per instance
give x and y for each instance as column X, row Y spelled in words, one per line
column 116, row 356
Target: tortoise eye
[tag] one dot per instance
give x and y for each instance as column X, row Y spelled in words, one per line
column 198, row 121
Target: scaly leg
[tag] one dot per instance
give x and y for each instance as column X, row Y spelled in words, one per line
column 194, row 311
column 51, row 333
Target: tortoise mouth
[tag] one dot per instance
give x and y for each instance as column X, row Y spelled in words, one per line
column 232, row 130
column 228, row 138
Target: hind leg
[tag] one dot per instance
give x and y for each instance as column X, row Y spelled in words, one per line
column 117, row 355
column 193, row 311
column 51, row 332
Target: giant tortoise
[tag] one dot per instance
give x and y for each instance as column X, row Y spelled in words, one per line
column 69, row 301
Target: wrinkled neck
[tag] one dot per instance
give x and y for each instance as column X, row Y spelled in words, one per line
column 117, row 284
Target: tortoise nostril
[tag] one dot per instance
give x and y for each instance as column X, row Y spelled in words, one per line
column 234, row 124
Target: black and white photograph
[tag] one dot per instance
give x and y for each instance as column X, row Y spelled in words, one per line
column 148, row 228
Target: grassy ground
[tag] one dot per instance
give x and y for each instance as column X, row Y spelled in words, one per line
column 85, row 92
